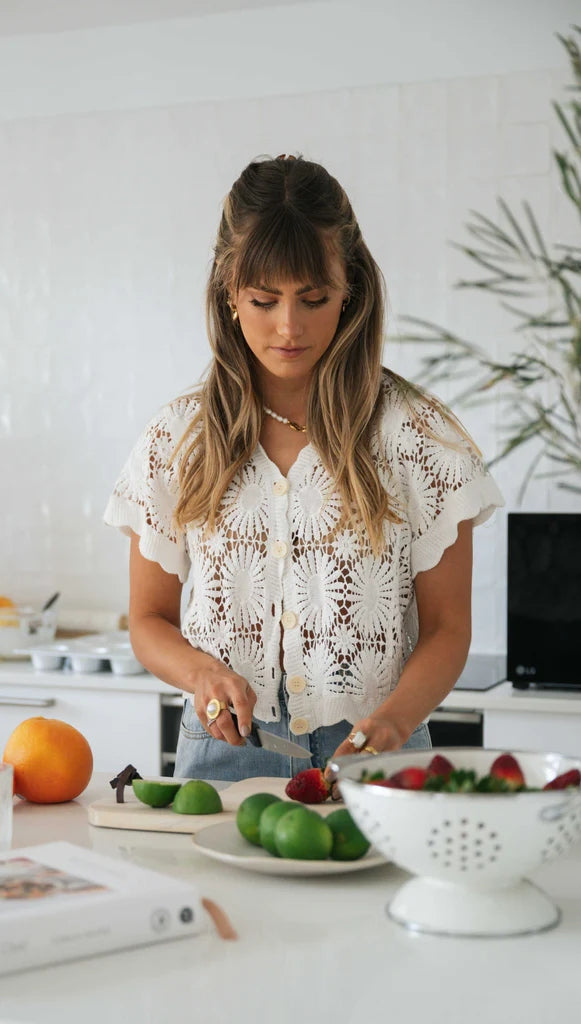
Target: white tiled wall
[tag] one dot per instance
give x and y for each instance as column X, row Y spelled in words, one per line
column 108, row 220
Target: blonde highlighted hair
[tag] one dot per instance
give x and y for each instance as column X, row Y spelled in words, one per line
column 284, row 220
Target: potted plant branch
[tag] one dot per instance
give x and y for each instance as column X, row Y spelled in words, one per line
column 541, row 381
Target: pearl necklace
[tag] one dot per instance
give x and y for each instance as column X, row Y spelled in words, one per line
column 283, row 419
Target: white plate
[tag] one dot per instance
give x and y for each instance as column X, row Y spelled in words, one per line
column 224, row 842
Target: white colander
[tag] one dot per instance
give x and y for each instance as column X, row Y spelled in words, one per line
column 470, row 851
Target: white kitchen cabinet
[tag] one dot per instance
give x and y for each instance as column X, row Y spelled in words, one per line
column 528, row 730
column 545, row 720
column 122, row 726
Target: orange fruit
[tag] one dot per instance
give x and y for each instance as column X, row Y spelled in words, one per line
column 6, row 603
column 52, row 760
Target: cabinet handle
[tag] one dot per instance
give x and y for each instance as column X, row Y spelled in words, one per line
column 168, row 701
column 29, row 702
column 456, row 716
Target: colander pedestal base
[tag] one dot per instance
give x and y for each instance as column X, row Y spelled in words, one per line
column 441, row 908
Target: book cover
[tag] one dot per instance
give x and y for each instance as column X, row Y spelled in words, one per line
column 59, row 901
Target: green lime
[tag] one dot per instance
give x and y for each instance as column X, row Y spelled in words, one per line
column 268, row 822
column 248, row 815
column 348, row 842
column 303, row 835
column 155, row 794
column 197, row 797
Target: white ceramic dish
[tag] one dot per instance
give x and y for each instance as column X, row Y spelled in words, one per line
column 87, row 663
column 119, row 657
column 48, row 659
column 47, row 662
column 125, row 665
column 96, row 653
column 223, row 842
column 470, row 851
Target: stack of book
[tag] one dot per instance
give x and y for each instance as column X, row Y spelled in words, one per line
column 62, row 902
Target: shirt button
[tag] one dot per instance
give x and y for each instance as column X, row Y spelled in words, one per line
column 299, row 726
column 280, row 487
column 280, row 549
column 296, row 684
column 289, row 620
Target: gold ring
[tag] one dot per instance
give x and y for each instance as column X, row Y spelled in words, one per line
column 358, row 739
column 213, row 709
column 371, row 750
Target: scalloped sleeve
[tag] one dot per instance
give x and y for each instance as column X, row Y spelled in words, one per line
column 444, row 481
column 146, row 492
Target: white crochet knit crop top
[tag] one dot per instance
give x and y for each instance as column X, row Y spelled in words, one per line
column 347, row 617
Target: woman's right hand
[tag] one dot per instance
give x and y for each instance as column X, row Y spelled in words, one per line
column 215, row 681
column 154, row 624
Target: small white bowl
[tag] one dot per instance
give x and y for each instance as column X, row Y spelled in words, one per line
column 86, row 663
column 125, row 665
column 45, row 661
column 470, row 851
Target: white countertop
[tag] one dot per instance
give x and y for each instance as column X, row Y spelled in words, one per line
column 500, row 698
column 504, row 698
column 20, row 673
column 310, row 951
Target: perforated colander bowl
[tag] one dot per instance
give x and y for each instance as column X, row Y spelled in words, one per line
column 471, row 852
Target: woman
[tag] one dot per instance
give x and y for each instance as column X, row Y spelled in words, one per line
column 323, row 506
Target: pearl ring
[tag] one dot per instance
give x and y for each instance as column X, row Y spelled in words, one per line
column 213, row 708
column 358, row 739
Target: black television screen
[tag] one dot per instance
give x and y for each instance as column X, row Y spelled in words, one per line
column 544, row 598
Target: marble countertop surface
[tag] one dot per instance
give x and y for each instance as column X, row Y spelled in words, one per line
column 310, row 950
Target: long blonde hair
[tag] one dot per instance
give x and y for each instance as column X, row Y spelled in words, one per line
column 284, row 219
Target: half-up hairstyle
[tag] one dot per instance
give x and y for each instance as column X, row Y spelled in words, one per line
column 285, row 220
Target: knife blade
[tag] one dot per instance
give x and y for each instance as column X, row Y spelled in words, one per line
column 259, row 737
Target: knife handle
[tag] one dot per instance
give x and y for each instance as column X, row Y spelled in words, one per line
column 252, row 737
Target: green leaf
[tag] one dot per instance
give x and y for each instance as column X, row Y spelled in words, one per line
column 435, row 783
column 540, row 385
column 491, row 784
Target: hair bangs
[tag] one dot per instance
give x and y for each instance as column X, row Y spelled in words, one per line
column 288, row 222
column 283, row 246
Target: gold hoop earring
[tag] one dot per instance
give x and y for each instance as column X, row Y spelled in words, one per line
column 233, row 310
column 345, row 304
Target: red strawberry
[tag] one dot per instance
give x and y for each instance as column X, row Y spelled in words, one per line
column 386, row 783
column 507, row 767
column 309, row 787
column 570, row 778
column 440, row 765
column 410, row 778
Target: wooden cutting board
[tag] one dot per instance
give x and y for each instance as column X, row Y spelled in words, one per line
column 134, row 815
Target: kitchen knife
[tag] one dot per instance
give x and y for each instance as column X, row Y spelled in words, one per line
column 259, row 737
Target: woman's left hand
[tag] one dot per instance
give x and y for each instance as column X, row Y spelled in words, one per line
column 381, row 732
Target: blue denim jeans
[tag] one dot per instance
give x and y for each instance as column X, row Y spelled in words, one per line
column 200, row 756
